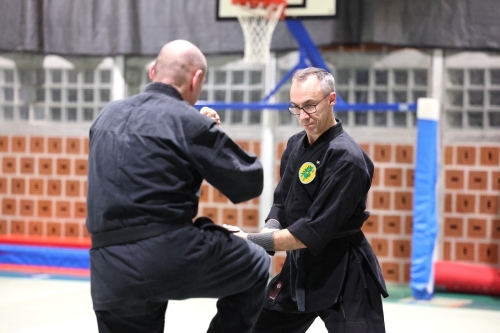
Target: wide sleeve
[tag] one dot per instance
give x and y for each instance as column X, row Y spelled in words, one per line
column 227, row 167
column 342, row 191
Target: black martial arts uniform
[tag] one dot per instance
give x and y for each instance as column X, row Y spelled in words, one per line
column 149, row 154
column 321, row 199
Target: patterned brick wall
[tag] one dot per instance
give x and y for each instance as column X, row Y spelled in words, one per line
column 43, row 188
column 471, row 212
column 390, row 202
column 43, row 183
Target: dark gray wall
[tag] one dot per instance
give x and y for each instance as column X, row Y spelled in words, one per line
column 134, row 27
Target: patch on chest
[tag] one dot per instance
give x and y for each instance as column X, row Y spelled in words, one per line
column 307, row 172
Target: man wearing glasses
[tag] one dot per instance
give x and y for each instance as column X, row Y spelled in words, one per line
column 319, row 207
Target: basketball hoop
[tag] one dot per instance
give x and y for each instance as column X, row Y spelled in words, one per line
column 258, row 18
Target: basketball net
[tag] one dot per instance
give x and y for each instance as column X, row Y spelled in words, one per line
column 258, row 19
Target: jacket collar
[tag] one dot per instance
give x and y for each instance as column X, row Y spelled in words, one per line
column 328, row 135
column 165, row 89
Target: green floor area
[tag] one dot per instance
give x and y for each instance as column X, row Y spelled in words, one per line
column 402, row 294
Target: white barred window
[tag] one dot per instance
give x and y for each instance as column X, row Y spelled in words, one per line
column 227, row 84
column 472, row 98
column 56, row 91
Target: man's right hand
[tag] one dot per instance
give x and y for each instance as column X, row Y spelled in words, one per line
column 211, row 113
column 235, row 230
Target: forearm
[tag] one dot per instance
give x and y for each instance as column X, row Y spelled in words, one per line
column 284, row 240
column 276, row 240
column 272, row 237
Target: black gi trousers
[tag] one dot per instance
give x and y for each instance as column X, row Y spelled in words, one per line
column 359, row 309
column 237, row 275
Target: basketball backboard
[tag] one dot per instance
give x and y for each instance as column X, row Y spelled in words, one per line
column 295, row 9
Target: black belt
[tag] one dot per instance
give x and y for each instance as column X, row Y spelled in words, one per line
column 134, row 234
column 346, row 233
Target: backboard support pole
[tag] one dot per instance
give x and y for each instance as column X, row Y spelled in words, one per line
column 309, row 55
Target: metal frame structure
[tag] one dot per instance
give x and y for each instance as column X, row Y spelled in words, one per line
column 309, row 56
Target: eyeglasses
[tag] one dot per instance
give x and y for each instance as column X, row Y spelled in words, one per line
column 308, row 108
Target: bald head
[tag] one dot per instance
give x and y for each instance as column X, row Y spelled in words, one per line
column 177, row 64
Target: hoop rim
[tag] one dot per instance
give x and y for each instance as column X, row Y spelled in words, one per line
column 294, row 10
column 264, row 8
column 257, row 3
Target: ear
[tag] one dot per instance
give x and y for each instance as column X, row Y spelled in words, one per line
column 197, row 79
column 152, row 71
column 333, row 98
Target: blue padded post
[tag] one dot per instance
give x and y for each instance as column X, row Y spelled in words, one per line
column 425, row 219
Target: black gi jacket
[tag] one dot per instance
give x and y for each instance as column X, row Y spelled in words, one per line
column 149, row 154
column 324, row 210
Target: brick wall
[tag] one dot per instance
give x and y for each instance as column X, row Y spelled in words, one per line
column 390, row 202
column 471, row 214
column 43, row 185
column 43, row 188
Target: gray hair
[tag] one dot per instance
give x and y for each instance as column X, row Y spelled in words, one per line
column 326, row 80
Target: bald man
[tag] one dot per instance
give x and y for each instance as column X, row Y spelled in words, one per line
column 149, row 154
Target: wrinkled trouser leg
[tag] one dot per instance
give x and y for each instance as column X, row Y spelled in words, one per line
column 151, row 320
column 238, row 280
column 271, row 321
column 359, row 309
column 233, row 270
